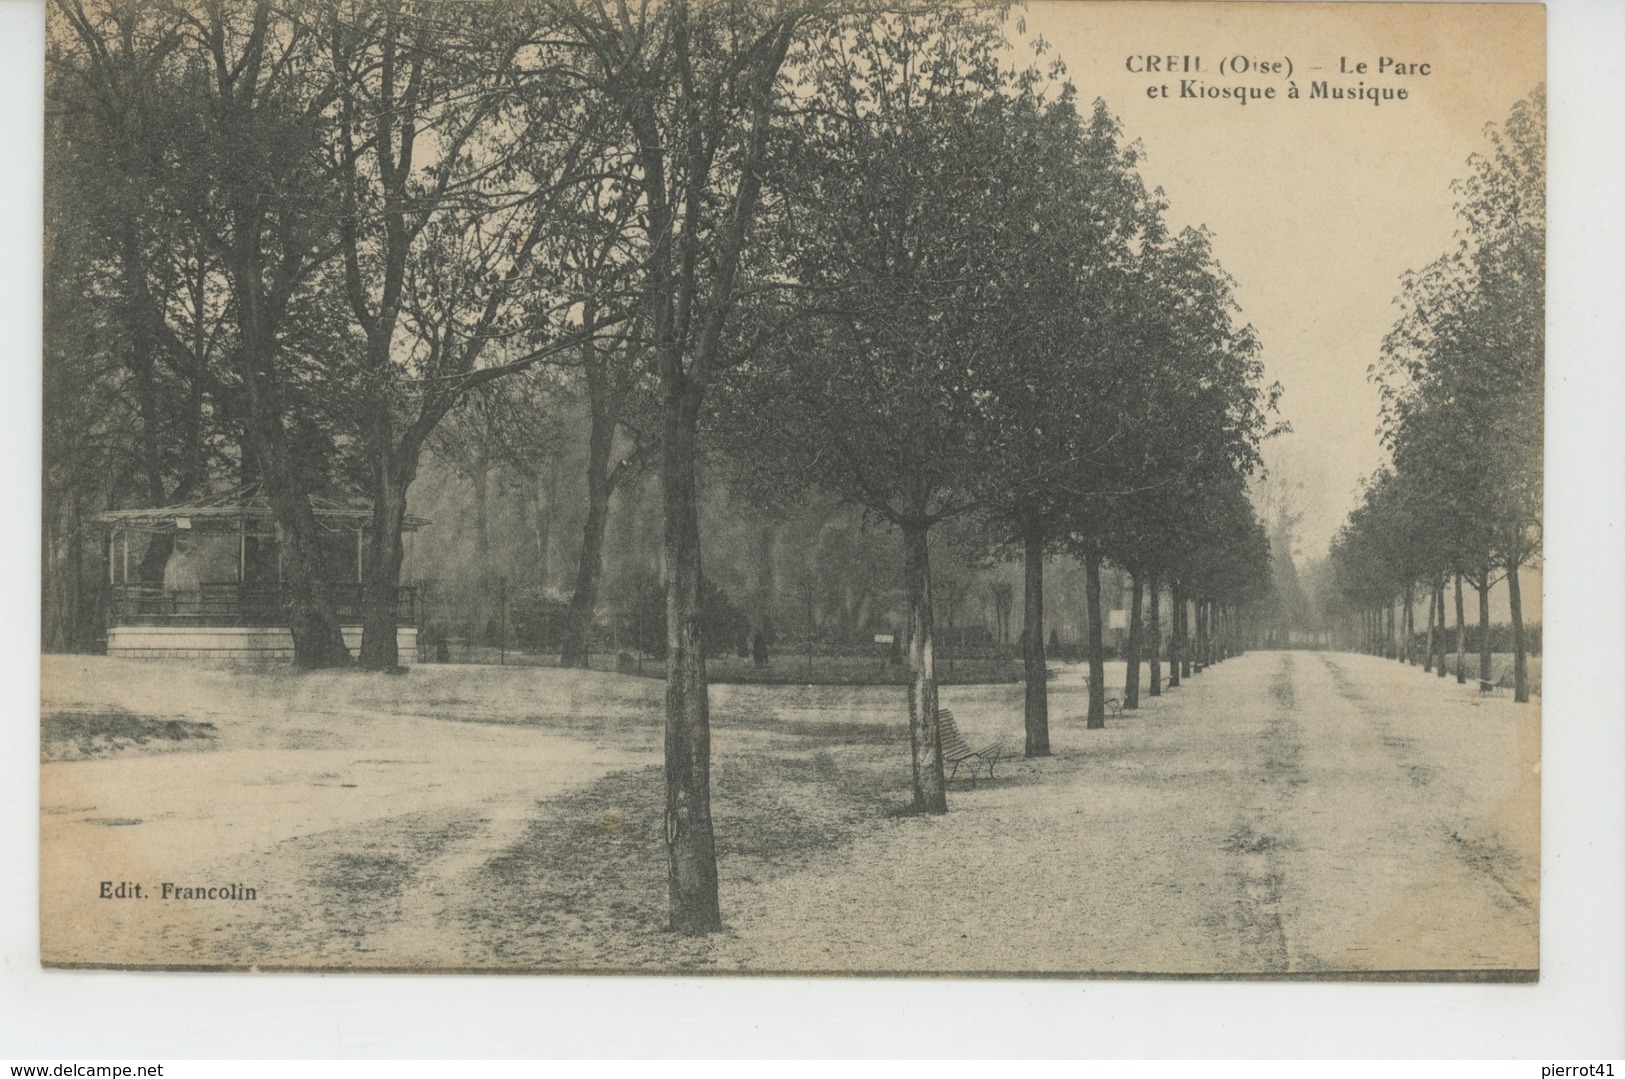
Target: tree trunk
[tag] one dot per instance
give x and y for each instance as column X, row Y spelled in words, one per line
column 1520, row 662
column 1406, row 653
column 1131, row 684
column 1198, row 636
column 1484, row 629
column 547, row 499
column 584, row 601
column 1461, row 636
column 382, row 581
column 1155, row 636
column 60, row 581
column 1210, row 620
column 1176, row 647
column 690, row 844
column 1204, row 632
column 1436, row 624
column 766, row 586
column 483, row 576
column 1035, row 664
column 1433, row 605
column 1097, row 645
column 1438, row 600
column 930, row 785
column 317, row 639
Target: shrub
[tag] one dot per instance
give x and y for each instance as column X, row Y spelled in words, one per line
column 537, row 620
column 724, row 626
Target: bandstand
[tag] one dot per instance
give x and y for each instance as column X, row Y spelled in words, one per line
column 219, row 592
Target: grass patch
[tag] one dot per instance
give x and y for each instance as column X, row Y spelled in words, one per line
column 586, row 885
column 71, row 736
column 785, row 669
column 790, row 670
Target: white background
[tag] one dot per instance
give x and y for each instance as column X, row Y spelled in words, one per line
column 1577, row 1010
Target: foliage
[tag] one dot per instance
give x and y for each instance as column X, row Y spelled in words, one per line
column 724, row 625
column 1461, row 383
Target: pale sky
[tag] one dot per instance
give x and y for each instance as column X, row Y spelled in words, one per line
column 1317, row 206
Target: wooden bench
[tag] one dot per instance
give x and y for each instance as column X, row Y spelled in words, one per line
column 956, row 752
column 1114, row 705
column 1500, row 678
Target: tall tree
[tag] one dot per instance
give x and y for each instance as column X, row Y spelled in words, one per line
column 133, row 296
column 1191, row 415
column 692, row 88
column 460, row 160
column 247, row 163
column 899, row 255
column 1462, row 372
column 1079, row 208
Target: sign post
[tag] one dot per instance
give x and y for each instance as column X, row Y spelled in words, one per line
column 884, row 640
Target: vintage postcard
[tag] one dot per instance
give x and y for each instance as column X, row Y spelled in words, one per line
column 798, row 487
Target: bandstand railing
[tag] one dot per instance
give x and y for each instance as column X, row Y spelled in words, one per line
column 228, row 603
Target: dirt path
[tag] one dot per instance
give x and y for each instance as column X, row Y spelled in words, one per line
column 1269, row 817
column 1281, row 812
column 345, row 802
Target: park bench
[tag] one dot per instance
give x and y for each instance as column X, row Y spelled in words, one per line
column 957, row 752
column 1114, row 705
column 1501, row 677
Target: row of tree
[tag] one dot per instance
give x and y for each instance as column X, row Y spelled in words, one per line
column 1461, row 380
column 853, row 251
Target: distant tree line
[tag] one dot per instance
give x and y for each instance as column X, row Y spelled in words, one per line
column 1461, row 377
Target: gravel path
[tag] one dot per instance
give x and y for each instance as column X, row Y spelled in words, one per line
column 1269, row 817
column 1281, row 812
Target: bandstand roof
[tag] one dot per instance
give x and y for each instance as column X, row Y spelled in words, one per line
column 244, row 510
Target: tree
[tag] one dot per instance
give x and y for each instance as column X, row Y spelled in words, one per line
column 507, row 432
column 242, row 157
column 1461, row 377
column 1191, row 416
column 135, row 325
column 897, row 255
column 691, row 89
column 1082, row 209
column 613, row 371
column 459, row 179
